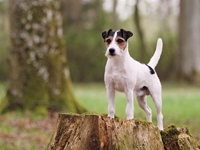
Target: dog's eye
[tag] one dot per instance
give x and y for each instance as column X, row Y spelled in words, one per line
column 108, row 41
column 120, row 41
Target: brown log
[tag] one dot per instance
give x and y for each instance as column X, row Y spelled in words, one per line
column 97, row 132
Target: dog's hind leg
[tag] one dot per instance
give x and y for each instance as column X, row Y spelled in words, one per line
column 143, row 104
column 158, row 103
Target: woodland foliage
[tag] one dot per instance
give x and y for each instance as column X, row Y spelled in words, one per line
column 83, row 22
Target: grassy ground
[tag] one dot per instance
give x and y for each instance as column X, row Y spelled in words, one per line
column 30, row 131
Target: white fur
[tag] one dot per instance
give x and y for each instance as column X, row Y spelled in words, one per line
column 124, row 74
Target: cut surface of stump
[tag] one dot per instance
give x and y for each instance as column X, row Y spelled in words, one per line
column 97, row 132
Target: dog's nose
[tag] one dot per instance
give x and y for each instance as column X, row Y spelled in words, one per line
column 112, row 51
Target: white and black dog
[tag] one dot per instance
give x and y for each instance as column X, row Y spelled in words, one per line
column 124, row 74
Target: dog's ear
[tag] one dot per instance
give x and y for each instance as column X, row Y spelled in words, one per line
column 126, row 34
column 105, row 33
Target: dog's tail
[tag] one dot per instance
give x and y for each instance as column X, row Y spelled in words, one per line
column 156, row 56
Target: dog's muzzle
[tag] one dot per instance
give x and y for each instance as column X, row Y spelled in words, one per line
column 112, row 51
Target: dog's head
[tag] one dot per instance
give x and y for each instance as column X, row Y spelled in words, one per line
column 116, row 41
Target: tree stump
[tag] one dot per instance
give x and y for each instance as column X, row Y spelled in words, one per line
column 178, row 138
column 97, row 132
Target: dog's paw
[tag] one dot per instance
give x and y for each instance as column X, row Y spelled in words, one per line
column 129, row 118
column 111, row 116
column 160, row 128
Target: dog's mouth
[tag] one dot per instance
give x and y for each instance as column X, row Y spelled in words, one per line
column 112, row 54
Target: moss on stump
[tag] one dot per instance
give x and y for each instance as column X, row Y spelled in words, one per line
column 178, row 138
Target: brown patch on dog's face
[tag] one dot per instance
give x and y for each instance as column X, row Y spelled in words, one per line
column 108, row 40
column 121, row 42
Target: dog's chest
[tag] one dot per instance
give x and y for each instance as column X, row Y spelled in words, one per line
column 119, row 83
column 118, row 78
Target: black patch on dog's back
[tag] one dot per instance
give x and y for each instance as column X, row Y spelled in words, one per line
column 151, row 69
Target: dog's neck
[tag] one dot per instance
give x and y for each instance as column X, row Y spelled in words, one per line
column 126, row 52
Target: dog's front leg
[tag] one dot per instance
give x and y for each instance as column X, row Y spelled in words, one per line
column 129, row 106
column 111, row 101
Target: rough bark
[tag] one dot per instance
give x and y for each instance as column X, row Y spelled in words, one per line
column 188, row 57
column 39, row 77
column 97, row 132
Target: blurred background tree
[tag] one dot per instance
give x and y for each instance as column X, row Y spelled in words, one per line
column 39, row 78
column 188, row 56
column 84, row 20
column 137, row 22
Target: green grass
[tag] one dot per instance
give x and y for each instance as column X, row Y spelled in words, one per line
column 181, row 104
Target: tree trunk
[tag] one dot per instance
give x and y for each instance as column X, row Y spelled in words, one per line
column 137, row 20
column 96, row 132
column 188, row 57
column 39, row 78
